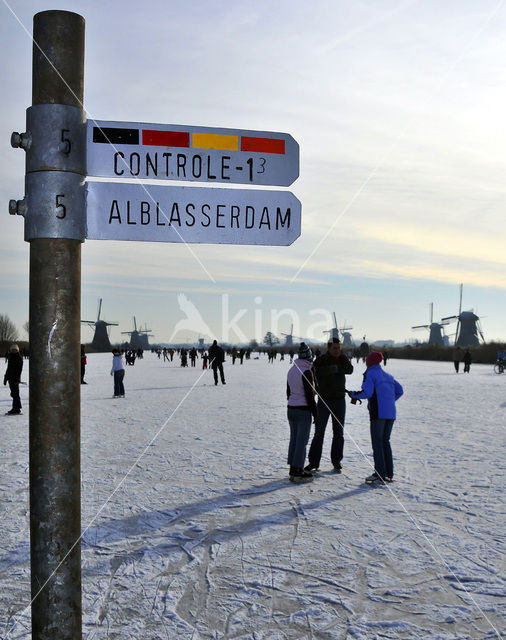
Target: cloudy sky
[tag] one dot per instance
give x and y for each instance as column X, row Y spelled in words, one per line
column 398, row 108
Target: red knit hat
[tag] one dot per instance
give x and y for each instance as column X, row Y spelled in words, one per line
column 375, row 357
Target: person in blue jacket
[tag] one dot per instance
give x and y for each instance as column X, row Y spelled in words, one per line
column 382, row 391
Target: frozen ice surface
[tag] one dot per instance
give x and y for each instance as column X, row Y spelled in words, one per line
column 202, row 536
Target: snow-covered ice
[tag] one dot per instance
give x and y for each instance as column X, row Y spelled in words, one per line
column 203, row 536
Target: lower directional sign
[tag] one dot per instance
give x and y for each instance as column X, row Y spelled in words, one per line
column 140, row 212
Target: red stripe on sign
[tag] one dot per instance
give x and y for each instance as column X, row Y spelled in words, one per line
column 166, row 138
column 264, row 145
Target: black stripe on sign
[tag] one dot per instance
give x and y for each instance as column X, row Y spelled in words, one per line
column 115, row 136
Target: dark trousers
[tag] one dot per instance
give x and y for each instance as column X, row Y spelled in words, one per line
column 218, row 366
column 380, row 439
column 119, row 389
column 16, row 400
column 338, row 409
column 456, row 364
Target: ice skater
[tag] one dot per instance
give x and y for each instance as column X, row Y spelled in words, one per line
column 467, row 361
column 330, row 370
column 301, row 407
column 382, row 391
column 217, row 358
column 13, row 377
column 118, row 371
column 457, row 358
column 83, row 364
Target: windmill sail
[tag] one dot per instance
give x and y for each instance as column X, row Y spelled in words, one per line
column 334, row 332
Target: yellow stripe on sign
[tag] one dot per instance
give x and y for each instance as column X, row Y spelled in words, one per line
column 215, row 141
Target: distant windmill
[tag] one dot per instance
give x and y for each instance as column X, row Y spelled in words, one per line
column 100, row 342
column 344, row 331
column 347, row 341
column 138, row 337
column 436, row 335
column 468, row 326
column 289, row 337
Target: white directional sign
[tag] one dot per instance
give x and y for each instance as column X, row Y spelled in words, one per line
column 199, row 154
column 121, row 211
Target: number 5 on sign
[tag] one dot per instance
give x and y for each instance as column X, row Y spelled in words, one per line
column 60, row 205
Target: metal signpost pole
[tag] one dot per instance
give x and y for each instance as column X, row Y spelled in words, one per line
column 54, row 213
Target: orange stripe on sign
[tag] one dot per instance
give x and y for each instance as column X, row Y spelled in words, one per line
column 215, row 141
column 263, row 145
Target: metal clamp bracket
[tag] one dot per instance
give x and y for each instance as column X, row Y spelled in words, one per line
column 54, row 205
column 57, row 138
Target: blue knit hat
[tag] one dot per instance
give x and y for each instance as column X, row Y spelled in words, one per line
column 305, row 352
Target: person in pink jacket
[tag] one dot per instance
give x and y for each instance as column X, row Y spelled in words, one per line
column 301, row 408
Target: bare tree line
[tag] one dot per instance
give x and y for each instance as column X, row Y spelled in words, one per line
column 8, row 330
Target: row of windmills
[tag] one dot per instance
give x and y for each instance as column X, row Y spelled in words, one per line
column 468, row 331
column 139, row 338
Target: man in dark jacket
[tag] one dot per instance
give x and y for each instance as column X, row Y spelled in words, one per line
column 330, row 370
column 13, row 377
column 217, row 358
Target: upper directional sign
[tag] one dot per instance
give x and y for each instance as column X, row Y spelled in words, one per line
column 201, row 154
